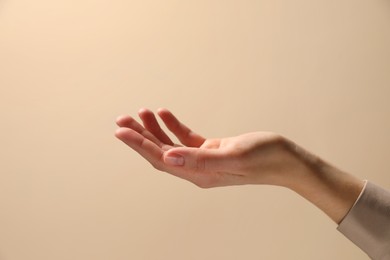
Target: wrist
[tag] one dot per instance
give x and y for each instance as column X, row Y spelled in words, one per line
column 327, row 187
column 283, row 163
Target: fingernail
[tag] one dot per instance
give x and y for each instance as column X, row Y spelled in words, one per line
column 174, row 159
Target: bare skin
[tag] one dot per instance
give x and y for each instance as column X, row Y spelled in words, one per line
column 252, row 158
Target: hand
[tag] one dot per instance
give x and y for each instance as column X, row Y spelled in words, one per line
column 254, row 158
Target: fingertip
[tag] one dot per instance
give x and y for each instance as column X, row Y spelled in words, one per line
column 163, row 112
column 121, row 132
column 122, row 118
column 144, row 110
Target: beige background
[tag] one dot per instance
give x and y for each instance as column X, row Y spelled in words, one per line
column 314, row 71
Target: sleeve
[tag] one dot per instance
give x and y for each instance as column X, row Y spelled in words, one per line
column 367, row 224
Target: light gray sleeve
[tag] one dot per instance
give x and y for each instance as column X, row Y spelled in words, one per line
column 367, row 224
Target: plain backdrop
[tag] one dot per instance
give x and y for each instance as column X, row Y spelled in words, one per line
column 317, row 72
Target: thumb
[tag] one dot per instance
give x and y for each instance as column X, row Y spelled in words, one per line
column 195, row 159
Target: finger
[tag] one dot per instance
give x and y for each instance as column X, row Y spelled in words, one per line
column 183, row 133
column 198, row 159
column 150, row 123
column 204, row 167
column 146, row 148
column 129, row 122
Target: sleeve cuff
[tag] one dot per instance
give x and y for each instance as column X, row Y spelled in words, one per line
column 367, row 224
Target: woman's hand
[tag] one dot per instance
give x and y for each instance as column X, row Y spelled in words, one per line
column 254, row 158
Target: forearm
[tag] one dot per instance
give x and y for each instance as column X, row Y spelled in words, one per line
column 264, row 158
column 330, row 189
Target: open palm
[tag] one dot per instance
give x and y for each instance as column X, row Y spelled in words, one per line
column 204, row 162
